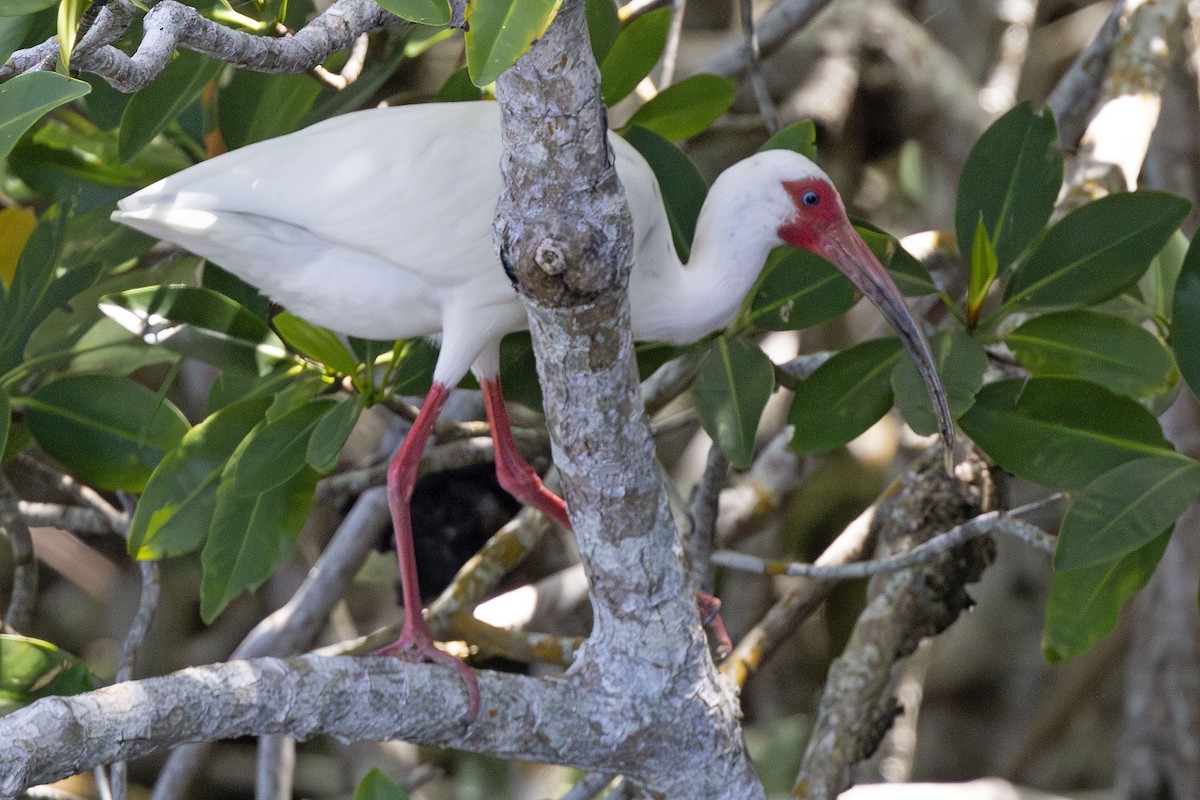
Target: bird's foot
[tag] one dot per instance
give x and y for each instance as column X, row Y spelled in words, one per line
column 419, row 647
column 710, row 617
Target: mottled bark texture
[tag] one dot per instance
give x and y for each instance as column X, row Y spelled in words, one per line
column 902, row 609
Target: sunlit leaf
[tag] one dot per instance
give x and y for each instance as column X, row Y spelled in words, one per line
column 845, row 395
column 1157, row 286
column 16, row 226
column 734, row 385
column 634, row 54
column 1084, row 604
column 1125, row 508
column 1096, row 250
column 31, row 669
column 960, row 361
column 1010, row 181
column 177, row 505
column 70, row 12
column 687, row 108
column 107, row 431
column 276, row 450
column 377, row 786
column 1061, row 433
column 983, row 272
column 315, row 342
column 500, row 31
column 1107, row 350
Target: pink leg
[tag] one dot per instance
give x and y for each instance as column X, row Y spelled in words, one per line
column 512, row 470
column 416, row 640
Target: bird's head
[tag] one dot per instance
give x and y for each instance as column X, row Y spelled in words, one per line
column 811, row 216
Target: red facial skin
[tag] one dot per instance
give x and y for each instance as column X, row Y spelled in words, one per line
column 807, row 229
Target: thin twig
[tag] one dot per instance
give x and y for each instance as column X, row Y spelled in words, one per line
column 705, row 506
column 25, row 574
column 76, row 519
column 774, row 29
column 117, row 520
column 276, row 767
column 666, row 74
column 758, row 81
column 349, row 72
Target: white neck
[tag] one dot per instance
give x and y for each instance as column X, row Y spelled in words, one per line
column 678, row 303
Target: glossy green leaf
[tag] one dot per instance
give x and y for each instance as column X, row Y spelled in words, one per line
column 1084, row 604
column 31, row 669
column 1104, row 349
column 798, row 290
column 275, row 451
column 1061, row 433
column 1185, row 331
column 604, row 25
column 19, row 8
column 200, row 323
column 13, row 33
column 1011, row 180
column 734, row 385
column 423, row 12
column 960, row 361
column 315, row 342
column 799, row 137
column 250, row 535
column 1096, row 250
column 1124, row 509
column 107, row 431
column 330, row 434
column 177, row 506
column 255, row 106
column 634, row 54
column 910, row 275
column 983, row 272
column 151, row 109
column 845, row 395
column 500, row 31
column 375, row 785
column 1157, row 286
column 687, row 108
column 683, row 189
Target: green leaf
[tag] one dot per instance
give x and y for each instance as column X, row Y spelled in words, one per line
column 177, row 506
column 5, row 420
column 200, row 323
column 683, row 189
column 634, row 54
column 1104, row 349
column 28, row 97
column 377, row 786
column 1096, row 251
column 330, row 434
column 1125, row 508
column 910, row 275
column 1011, row 180
column 275, row 451
column 107, row 431
column 249, row 536
column 1061, row 433
column 799, row 137
column 151, row 109
column 316, row 342
column 414, row 376
column 422, row 12
column 1185, row 332
column 844, row 396
column 687, row 108
column 19, row 8
column 500, row 31
column 983, row 272
column 13, row 33
column 1084, row 604
column 960, row 361
column 604, row 25
column 31, row 669
column 734, row 385
column 798, row 290
column 459, row 89
column 1157, row 286
column 70, row 12
column 25, row 307
column 255, row 106
column 519, row 368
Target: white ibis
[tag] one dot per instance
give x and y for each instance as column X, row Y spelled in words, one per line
column 379, row 224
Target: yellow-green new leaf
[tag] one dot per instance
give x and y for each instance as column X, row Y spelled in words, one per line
column 500, row 31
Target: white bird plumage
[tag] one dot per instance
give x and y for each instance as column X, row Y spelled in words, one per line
column 379, row 224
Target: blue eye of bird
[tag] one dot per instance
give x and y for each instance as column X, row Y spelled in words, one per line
column 810, row 198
